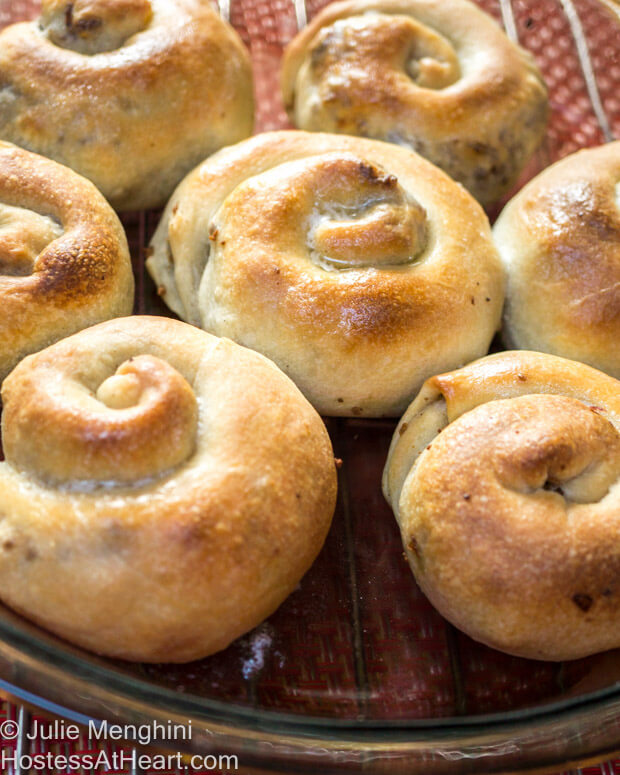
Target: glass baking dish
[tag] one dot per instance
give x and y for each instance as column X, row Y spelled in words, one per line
column 356, row 671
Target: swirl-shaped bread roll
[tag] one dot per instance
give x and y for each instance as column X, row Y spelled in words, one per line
column 64, row 261
column 355, row 265
column 130, row 93
column 505, row 480
column 163, row 490
column 559, row 240
column 438, row 77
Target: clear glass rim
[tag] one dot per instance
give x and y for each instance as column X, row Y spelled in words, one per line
column 132, row 688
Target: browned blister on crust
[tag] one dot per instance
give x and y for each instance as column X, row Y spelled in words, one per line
column 438, row 77
column 505, row 480
column 64, row 260
column 163, row 491
column 130, row 93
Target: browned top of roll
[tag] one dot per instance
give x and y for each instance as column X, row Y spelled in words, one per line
column 464, row 58
column 64, row 261
column 163, row 490
column 355, row 265
column 559, row 239
column 440, row 77
column 505, row 479
column 130, row 93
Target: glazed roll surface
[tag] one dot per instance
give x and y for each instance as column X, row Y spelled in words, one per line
column 130, row 93
column 504, row 477
column 64, row 260
column 163, row 490
column 355, row 265
column 559, row 240
column 438, row 77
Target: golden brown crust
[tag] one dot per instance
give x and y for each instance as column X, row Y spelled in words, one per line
column 559, row 239
column 355, row 265
column 137, row 115
column 505, row 480
column 152, row 429
column 64, row 261
column 439, row 77
column 158, row 565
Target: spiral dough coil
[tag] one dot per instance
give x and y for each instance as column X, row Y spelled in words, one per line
column 559, row 240
column 357, row 266
column 64, row 261
column 163, row 490
column 505, row 480
column 438, row 77
column 130, row 93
